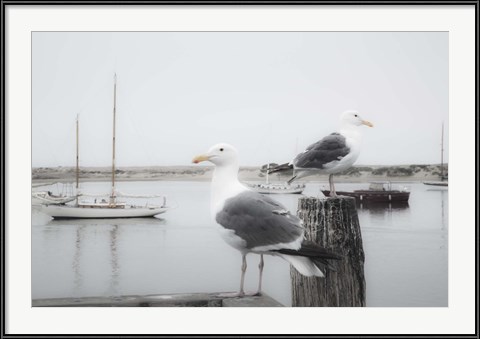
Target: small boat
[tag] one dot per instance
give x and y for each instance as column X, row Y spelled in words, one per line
column 268, row 188
column 109, row 207
column 378, row 191
column 277, row 188
column 48, row 198
column 443, row 177
column 436, row 183
column 103, row 209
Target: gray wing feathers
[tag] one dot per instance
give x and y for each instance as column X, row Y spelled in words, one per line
column 259, row 220
column 331, row 148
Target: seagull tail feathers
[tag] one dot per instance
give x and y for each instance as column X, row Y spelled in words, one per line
column 280, row 168
column 305, row 266
column 311, row 259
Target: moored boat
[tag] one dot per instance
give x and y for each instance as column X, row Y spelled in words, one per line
column 269, row 188
column 108, row 207
column 102, row 210
column 436, row 183
column 443, row 176
column 378, row 191
column 276, row 188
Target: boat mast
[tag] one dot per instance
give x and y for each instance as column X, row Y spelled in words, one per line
column 441, row 159
column 268, row 169
column 112, row 198
column 77, row 167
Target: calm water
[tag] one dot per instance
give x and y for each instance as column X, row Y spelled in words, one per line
column 406, row 250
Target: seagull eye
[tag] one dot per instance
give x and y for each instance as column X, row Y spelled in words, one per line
column 221, row 149
column 356, row 115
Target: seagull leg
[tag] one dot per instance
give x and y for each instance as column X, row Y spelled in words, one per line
column 333, row 194
column 242, row 279
column 260, row 267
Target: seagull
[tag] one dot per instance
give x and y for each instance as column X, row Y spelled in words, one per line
column 332, row 154
column 253, row 223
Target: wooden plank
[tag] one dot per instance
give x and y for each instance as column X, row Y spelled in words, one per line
column 170, row 300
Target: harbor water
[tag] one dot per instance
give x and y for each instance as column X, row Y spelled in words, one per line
column 406, row 249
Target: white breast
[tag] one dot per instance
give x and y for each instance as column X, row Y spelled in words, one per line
column 220, row 193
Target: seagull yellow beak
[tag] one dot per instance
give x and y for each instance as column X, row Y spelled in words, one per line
column 367, row 123
column 200, row 158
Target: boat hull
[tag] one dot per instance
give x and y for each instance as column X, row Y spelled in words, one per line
column 278, row 189
column 374, row 196
column 436, row 183
column 67, row 212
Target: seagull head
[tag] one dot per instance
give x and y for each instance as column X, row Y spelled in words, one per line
column 353, row 118
column 220, row 155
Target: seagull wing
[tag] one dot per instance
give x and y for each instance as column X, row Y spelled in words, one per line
column 260, row 221
column 331, row 148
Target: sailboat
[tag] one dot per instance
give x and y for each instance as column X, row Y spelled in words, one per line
column 277, row 188
column 103, row 208
column 50, row 198
column 443, row 177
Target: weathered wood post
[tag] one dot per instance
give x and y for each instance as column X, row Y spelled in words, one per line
column 332, row 223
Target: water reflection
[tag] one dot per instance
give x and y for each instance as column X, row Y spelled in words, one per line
column 77, row 274
column 86, row 234
column 384, row 215
column 381, row 208
column 443, row 192
column 406, row 250
column 115, row 267
column 443, row 198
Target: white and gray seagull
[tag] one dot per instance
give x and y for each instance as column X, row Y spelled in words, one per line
column 254, row 223
column 332, row 154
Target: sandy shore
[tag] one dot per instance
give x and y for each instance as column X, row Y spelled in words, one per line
column 203, row 173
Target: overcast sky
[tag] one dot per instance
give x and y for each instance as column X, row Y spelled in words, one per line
column 268, row 94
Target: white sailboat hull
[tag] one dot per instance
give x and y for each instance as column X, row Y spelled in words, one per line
column 57, row 211
column 278, row 188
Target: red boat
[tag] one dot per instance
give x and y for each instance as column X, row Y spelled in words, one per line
column 379, row 191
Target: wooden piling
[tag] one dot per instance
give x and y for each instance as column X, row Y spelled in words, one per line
column 332, row 223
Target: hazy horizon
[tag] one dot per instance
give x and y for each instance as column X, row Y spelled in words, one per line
column 212, row 166
column 270, row 94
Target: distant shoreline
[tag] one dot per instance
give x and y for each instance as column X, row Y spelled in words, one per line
column 202, row 173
